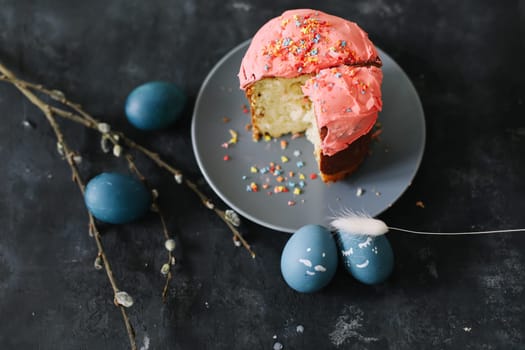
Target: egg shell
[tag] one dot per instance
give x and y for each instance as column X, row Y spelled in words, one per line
column 154, row 105
column 369, row 259
column 116, row 198
column 309, row 259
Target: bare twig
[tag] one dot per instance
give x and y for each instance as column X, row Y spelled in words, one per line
column 75, row 113
column 49, row 114
column 222, row 214
column 166, row 267
column 82, row 117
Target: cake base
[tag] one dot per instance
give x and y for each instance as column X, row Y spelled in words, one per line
column 338, row 166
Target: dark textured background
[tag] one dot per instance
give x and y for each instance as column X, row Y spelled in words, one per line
column 466, row 60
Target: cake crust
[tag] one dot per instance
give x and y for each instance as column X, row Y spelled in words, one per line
column 346, row 162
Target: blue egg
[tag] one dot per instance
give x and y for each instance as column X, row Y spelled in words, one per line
column 309, row 259
column 369, row 259
column 116, row 198
column 155, row 105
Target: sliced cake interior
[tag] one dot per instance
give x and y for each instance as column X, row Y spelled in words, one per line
column 279, row 106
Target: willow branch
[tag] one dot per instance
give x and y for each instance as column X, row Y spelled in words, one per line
column 84, row 118
column 48, row 113
column 166, row 267
column 222, row 214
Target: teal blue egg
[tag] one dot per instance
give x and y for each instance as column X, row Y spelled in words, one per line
column 309, row 259
column 155, row 105
column 369, row 259
column 117, row 198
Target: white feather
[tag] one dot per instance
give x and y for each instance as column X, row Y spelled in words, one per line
column 359, row 224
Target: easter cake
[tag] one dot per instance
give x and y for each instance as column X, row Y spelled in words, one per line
column 308, row 71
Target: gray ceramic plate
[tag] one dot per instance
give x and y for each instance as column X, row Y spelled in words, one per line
column 383, row 177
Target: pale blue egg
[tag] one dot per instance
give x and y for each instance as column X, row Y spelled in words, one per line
column 155, row 105
column 117, row 198
column 309, row 259
column 369, row 259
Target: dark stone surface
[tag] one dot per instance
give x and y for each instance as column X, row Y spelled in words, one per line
column 466, row 61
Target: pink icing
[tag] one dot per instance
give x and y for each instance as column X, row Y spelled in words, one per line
column 346, row 101
column 302, row 42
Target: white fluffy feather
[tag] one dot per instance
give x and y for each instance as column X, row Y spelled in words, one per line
column 359, row 224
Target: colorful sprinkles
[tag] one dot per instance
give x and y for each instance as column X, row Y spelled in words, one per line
column 284, row 178
column 234, row 138
column 277, row 177
column 277, row 180
column 305, row 50
column 272, row 178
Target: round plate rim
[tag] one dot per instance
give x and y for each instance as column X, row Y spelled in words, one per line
column 267, row 224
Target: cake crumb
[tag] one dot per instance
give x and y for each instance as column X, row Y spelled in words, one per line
column 225, row 119
column 234, row 136
column 28, row 124
column 420, row 204
column 376, row 134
